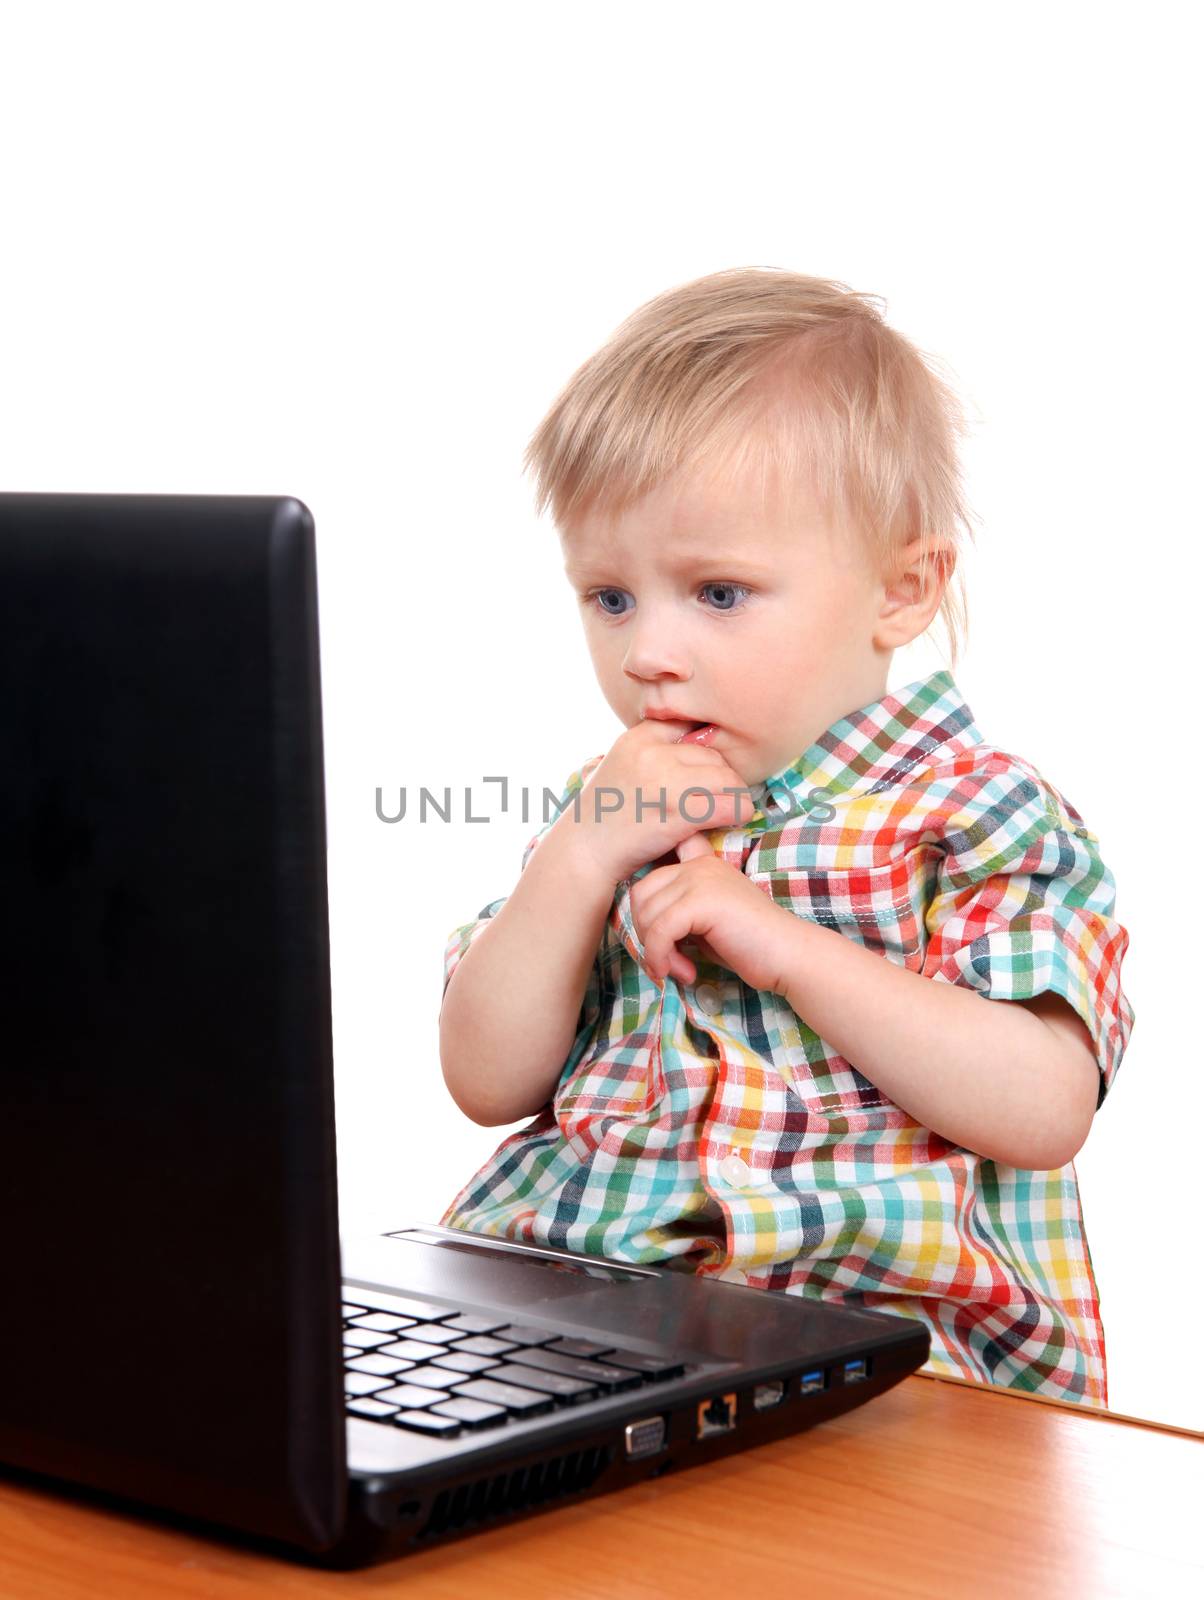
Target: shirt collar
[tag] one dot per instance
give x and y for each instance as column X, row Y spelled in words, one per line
column 868, row 749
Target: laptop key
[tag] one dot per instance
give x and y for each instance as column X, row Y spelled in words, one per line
column 580, row 1347
column 428, row 1422
column 521, row 1333
column 473, row 1412
column 483, row 1346
column 385, row 1365
column 363, row 1383
column 365, row 1338
column 432, row 1333
column 354, row 1311
column 364, row 1407
column 549, row 1382
column 650, row 1366
column 469, row 1323
column 518, row 1401
column 588, row 1371
column 462, row 1361
column 411, row 1349
column 433, row 1377
column 382, row 1321
column 410, row 1395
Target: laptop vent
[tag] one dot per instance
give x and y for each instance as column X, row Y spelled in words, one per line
column 507, row 1493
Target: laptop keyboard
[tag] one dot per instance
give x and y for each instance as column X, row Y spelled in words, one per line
column 424, row 1367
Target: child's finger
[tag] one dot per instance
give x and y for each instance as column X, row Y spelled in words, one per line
column 682, row 968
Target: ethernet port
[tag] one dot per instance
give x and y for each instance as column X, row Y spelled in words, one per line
column 717, row 1415
column 767, row 1395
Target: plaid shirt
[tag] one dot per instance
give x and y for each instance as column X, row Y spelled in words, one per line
column 704, row 1126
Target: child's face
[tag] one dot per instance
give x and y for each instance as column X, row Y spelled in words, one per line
column 773, row 662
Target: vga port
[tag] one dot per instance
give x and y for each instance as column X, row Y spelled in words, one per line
column 645, row 1437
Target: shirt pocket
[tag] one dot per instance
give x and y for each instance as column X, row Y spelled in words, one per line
column 880, row 907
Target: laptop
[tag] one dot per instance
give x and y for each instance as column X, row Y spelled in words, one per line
column 184, row 1330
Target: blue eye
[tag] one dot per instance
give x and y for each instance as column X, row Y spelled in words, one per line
column 598, row 594
column 730, row 590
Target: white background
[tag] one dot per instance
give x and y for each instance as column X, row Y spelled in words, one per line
column 351, row 252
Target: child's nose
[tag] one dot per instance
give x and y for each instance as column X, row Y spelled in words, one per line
column 655, row 646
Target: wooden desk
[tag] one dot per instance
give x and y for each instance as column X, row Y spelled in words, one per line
column 936, row 1489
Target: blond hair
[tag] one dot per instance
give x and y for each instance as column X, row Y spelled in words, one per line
column 793, row 376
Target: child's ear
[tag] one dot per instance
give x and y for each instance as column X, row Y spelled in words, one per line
column 911, row 595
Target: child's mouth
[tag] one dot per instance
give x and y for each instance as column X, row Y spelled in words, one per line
column 700, row 733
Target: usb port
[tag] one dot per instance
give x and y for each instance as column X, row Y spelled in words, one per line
column 855, row 1371
column 809, row 1382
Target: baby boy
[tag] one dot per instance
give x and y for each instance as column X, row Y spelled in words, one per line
column 740, row 983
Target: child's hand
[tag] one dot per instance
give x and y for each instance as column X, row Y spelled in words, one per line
column 645, row 759
column 730, row 919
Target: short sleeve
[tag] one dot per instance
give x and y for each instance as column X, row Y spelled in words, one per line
column 460, row 940
column 1023, row 904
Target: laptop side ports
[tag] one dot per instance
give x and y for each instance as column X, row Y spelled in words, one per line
column 812, row 1381
column 858, row 1370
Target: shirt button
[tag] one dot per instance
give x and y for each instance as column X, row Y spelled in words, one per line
column 735, row 1170
column 709, row 998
